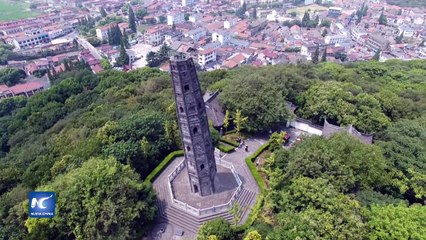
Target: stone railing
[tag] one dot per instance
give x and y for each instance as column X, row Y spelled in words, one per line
column 210, row 210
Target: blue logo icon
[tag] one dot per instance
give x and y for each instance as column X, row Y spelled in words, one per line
column 42, row 204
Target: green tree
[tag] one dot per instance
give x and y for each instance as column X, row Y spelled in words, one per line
column 315, row 55
column 152, row 59
column 263, row 107
column 306, row 18
column 105, row 64
column 253, row 235
column 325, row 32
column 313, row 209
column 123, row 59
column 218, row 227
column 254, row 13
column 348, row 171
column 324, row 55
column 125, row 40
column 399, row 38
column 382, row 19
column 239, row 121
column 102, row 12
column 109, row 195
column 397, row 222
column 241, row 11
column 403, row 146
column 11, row 76
column 226, row 119
column 377, row 55
column 337, row 102
column 141, row 13
column 132, row 20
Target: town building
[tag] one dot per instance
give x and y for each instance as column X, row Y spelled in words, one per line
column 155, row 35
column 377, row 42
column 175, row 18
column 206, row 56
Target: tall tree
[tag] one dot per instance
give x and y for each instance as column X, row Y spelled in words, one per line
column 324, row 55
column 377, row 55
column 123, row 59
column 226, row 120
column 132, row 20
column 382, row 19
column 102, row 12
column 315, row 56
column 254, row 13
column 399, row 38
column 239, row 121
column 125, row 40
column 306, row 18
column 241, row 11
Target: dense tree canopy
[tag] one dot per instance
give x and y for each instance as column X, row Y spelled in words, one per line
column 219, row 228
column 11, row 76
column 108, row 198
column 126, row 123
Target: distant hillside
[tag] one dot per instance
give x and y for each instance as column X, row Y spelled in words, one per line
column 408, row 3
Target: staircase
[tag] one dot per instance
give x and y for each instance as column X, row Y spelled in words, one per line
column 168, row 213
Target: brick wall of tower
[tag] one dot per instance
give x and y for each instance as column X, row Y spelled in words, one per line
column 193, row 124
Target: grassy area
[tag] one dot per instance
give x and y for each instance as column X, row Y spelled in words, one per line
column 11, row 10
column 301, row 10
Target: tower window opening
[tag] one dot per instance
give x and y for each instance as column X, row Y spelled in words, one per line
column 195, row 130
column 186, row 87
column 188, row 148
column 202, row 166
column 181, row 109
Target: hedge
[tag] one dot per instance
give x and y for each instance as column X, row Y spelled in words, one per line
column 225, row 148
column 230, row 142
column 163, row 164
column 258, row 205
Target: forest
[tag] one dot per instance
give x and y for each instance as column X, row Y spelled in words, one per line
column 93, row 139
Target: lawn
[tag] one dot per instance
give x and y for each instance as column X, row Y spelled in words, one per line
column 11, row 10
column 301, row 10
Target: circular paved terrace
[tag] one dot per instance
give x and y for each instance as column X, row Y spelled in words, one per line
column 225, row 186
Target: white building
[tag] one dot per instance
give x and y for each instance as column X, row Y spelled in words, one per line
column 333, row 39
column 102, row 32
column 227, row 24
column 196, row 34
column 187, row 2
column 221, row 36
column 31, row 40
column 175, row 18
column 155, row 35
column 406, row 31
column 206, row 56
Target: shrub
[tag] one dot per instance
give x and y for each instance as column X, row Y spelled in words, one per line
column 163, row 164
column 225, row 148
column 230, row 142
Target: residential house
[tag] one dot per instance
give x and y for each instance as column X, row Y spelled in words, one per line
column 377, row 42
column 174, row 18
column 206, row 57
column 221, row 36
column 196, row 34
column 155, row 35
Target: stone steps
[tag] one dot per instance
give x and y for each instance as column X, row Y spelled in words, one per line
column 178, row 217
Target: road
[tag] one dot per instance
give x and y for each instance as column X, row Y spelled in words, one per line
column 83, row 42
